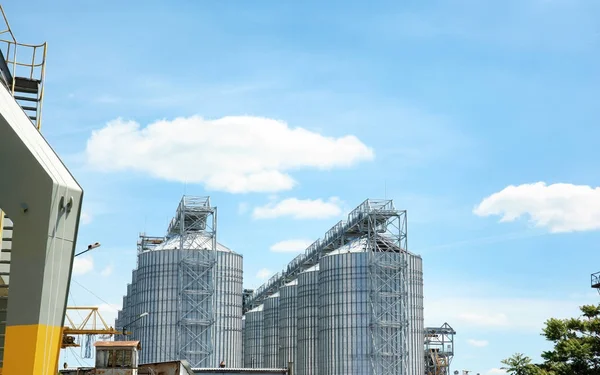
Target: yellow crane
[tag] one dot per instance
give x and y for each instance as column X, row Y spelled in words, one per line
column 91, row 323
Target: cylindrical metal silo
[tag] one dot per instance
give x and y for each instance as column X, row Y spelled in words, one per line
column 227, row 330
column 160, row 280
column 271, row 331
column 253, row 338
column 344, row 337
column 287, row 323
column 158, row 289
column 308, row 322
column 416, row 328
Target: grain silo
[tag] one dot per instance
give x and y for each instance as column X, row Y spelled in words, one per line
column 369, row 293
column 188, row 288
column 308, row 322
column 416, row 323
column 271, row 331
column 287, row 323
column 253, row 338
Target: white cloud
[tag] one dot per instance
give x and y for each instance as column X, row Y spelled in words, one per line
column 300, row 209
column 236, row 154
column 83, row 265
column 243, row 207
column 107, row 271
column 484, row 319
column 263, row 274
column 500, row 314
column 85, row 218
column 496, row 371
column 558, row 207
column 477, row 343
column 290, row 246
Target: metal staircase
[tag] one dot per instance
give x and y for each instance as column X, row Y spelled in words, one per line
column 22, row 72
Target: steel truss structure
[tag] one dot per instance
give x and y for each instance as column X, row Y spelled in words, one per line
column 385, row 229
column 596, row 281
column 196, row 225
column 439, row 349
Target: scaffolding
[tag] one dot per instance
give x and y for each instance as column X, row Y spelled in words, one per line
column 195, row 224
column 385, row 229
column 439, row 349
column 22, row 71
column 596, row 281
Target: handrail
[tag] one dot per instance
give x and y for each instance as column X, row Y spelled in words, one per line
column 12, row 46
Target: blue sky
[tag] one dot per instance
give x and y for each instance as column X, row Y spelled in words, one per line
column 438, row 105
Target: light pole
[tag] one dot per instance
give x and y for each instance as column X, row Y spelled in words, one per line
column 130, row 323
column 90, row 247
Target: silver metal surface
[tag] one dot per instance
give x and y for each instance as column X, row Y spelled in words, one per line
column 227, row 330
column 287, row 323
column 155, row 290
column 344, row 336
column 416, row 330
column 307, row 352
column 253, row 338
column 271, row 331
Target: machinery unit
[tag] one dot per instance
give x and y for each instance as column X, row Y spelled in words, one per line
column 439, row 349
column 190, row 287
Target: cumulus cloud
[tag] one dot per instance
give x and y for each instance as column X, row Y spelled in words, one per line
column 290, row 246
column 300, row 209
column 263, row 274
column 499, row 314
column 236, row 154
column 496, row 371
column 85, row 218
column 477, row 343
column 82, row 265
column 107, row 271
column 557, row 207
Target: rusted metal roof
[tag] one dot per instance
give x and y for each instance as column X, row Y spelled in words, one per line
column 118, row 344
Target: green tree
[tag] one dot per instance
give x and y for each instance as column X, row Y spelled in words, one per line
column 519, row 364
column 576, row 344
column 576, row 347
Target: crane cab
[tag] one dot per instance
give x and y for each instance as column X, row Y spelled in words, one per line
column 117, row 357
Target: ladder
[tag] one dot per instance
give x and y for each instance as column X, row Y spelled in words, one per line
column 22, row 72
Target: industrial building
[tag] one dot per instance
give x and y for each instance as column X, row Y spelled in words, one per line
column 352, row 303
column 184, row 301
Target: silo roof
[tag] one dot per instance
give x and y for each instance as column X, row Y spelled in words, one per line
column 199, row 241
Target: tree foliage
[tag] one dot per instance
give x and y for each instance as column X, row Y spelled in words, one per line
column 576, row 347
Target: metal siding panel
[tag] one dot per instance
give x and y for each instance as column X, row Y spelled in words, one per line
column 308, row 323
column 253, row 339
column 344, row 336
column 287, row 324
column 271, row 332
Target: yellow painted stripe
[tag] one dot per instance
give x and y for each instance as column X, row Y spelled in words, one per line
column 31, row 350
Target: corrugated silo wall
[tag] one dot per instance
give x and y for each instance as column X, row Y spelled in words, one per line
column 227, row 330
column 308, row 323
column 344, row 337
column 253, row 339
column 158, row 290
column 271, row 332
column 287, row 324
column 416, row 328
